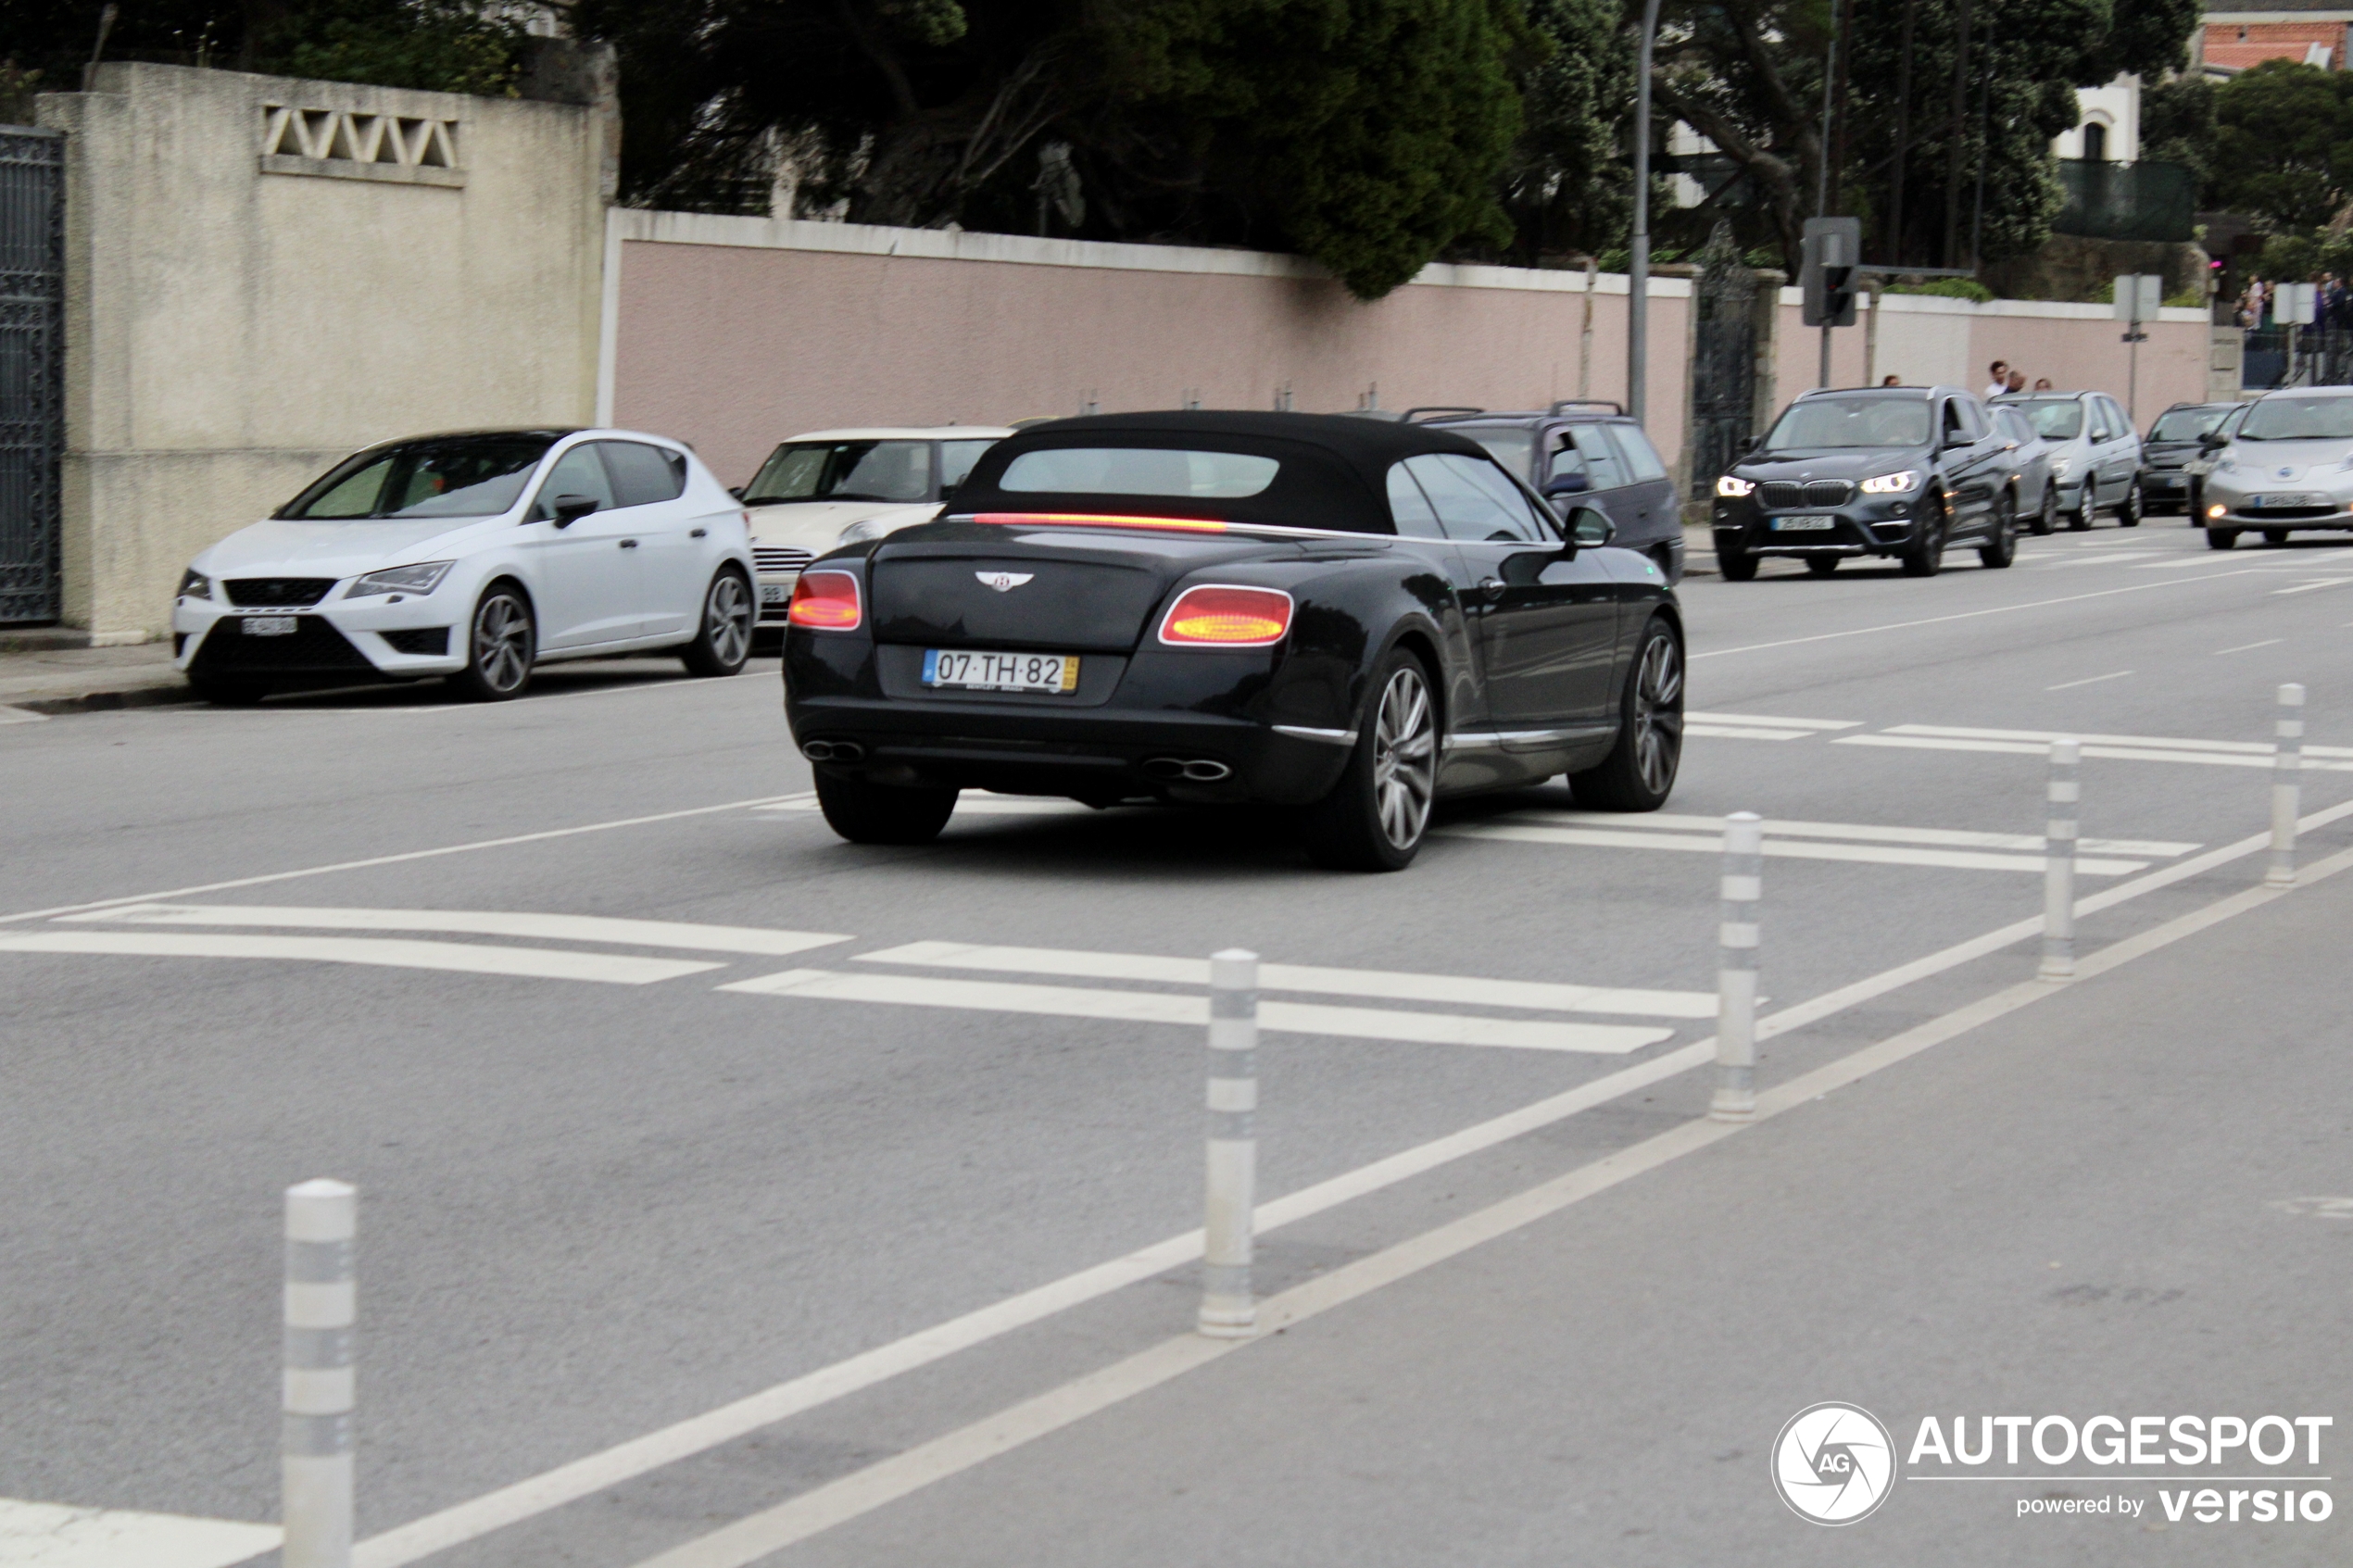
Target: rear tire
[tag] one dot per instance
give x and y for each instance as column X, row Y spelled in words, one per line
column 228, row 691
column 1926, row 555
column 2002, row 549
column 1374, row 818
column 2080, row 520
column 501, row 645
column 722, row 643
column 1738, row 565
column 1820, row 566
column 2046, row 518
column 1639, row 773
column 2221, row 538
column 872, row 813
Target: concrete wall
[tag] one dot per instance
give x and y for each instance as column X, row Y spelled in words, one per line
column 1929, row 341
column 736, row 332
column 249, row 299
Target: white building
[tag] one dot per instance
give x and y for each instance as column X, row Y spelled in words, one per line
column 2108, row 129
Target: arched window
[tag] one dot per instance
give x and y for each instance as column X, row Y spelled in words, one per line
column 2095, row 141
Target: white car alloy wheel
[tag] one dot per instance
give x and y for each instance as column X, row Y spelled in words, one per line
column 722, row 642
column 1405, row 759
column 500, row 648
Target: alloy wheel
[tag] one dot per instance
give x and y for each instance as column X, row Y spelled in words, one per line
column 502, row 642
column 1405, row 759
column 1658, row 714
column 727, row 618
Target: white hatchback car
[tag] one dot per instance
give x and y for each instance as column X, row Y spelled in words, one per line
column 835, row 487
column 475, row 555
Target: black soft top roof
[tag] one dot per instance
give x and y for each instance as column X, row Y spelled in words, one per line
column 1334, row 473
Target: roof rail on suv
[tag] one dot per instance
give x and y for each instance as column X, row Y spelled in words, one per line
column 1566, row 403
column 1412, row 414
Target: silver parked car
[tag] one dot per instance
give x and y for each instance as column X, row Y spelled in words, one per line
column 2288, row 466
column 2095, row 453
column 2035, row 501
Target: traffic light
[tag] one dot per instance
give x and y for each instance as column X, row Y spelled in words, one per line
column 1833, row 248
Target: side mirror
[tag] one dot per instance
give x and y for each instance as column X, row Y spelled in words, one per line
column 737, row 491
column 945, row 490
column 1589, row 530
column 569, row 509
column 1748, row 444
column 2210, row 442
column 1958, row 438
column 1568, row 485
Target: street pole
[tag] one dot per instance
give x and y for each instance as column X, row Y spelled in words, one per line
column 1638, row 267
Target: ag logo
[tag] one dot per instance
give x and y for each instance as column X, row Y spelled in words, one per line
column 1004, row 581
column 1833, row 1463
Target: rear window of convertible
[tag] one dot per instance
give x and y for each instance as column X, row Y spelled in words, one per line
column 1140, row 471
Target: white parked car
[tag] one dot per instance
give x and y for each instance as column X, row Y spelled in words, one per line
column 835, row 487
column 475, row 554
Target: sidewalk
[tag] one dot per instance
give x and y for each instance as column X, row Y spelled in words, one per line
column 70, row 679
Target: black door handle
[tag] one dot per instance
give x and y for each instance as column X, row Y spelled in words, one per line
column 697, row 533
column 629, row 543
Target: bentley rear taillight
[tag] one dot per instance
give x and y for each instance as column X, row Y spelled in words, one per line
column 825, row 601
column 1215, row 615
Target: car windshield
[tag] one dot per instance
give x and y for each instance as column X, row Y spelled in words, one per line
column 449, row 476
column 2055, row 419
column 2186, row 424
column 2299, row 419
column 1139, row 470
column 1516, row 449
column 1850, row 421
column 2013, row 424
column 843, row 471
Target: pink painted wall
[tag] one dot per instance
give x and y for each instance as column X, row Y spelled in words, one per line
column 737, row 346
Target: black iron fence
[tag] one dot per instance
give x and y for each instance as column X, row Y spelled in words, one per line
column 2298, row 356
column 2127, row 201
column 32, row 370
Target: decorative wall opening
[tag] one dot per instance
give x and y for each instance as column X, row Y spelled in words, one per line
column 345, row 143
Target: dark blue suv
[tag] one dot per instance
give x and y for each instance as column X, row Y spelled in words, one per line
column 1591, row 453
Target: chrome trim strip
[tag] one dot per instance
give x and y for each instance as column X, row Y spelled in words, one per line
column 1329, row 738
column 1482, row 740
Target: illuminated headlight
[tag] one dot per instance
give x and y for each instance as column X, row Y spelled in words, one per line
column 422, row 578
column 195, row 585
column 2062, row 467
column 1893, row 483
column 2215, row 510
column 1732, row 487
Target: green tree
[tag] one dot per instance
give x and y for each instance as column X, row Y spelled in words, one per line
column 2284, row 142
column 443, row 45
column 1571, row 180
column 2178, row 124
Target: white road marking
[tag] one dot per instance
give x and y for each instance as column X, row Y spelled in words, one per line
column 20, row 716
column 1465, row 989
column 1734, row 732
column 1799, row 726
column 2243, row 647
column 1159, row 1007
column 2109, row 753
column 2307, row 587
column 748, row 1540
column 2162, row 743
column 1964, row 615
column 479, row 923
column 464, row 957
column 1952, row 859
column 2106, row 558
column 48, row 1534
column 977, row 803
column 2088, row 680
column 591, row 1473
column 1958, row 838
column 401, row 858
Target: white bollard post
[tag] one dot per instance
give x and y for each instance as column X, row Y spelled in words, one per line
column 1735, row 1098
column 2286, row 763
column 315, row 1439
column 2058, row 863
column 1227, row 1311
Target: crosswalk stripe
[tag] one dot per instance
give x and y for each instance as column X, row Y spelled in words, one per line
column 2165, row 743
column 1769, row 721
column 1158, row 1007
column 1737, row 732
column 2107, row 753
column 540, row 963
column 48, row 1534
column 1389, row 985
column 1787, row 849
column 1958, row 838
column 479, row 923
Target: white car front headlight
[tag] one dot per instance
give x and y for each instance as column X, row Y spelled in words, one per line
column 1732, row 487
column 2062, row 467
column 1893, row 483
column 421, row 578
column 194, row 584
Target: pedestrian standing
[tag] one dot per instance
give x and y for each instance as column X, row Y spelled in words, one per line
column 2016, row 381
column 2042, row 384
column 2000, row 370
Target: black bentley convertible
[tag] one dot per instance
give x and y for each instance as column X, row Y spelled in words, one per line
column 1340, row 616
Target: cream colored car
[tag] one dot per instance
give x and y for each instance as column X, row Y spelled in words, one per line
column 830, row 487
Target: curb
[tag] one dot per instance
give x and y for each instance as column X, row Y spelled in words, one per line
column 104, row 702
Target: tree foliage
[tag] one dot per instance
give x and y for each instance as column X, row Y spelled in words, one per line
column 2284, row 142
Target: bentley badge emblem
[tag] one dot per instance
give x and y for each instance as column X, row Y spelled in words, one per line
column 1004, row 581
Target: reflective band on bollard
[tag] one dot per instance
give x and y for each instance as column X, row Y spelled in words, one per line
column 1736, row 970
column 2058, row 864
column 2286, row 763
column 1227, row 1309
column 315, row 1441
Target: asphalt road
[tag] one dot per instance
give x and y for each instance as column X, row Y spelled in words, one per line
column 603, row 1195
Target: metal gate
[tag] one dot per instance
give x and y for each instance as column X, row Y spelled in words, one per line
column 1724, row 362
column 32, row 359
